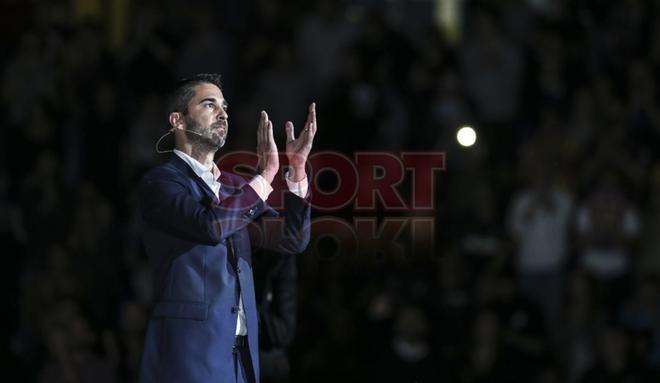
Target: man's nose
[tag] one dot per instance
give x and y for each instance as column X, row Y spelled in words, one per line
column 222, row 115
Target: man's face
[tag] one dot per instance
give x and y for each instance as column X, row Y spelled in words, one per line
column 207, row 116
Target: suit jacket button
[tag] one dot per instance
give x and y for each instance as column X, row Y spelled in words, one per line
column 239, row 270
column 234, row 309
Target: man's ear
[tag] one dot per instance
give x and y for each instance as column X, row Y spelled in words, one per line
column 176, row 120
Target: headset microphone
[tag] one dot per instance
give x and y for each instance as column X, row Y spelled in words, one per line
column 159, row 151
column 187, row 130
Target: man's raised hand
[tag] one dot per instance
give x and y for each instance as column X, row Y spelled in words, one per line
column 269, row 162
column 297, row 149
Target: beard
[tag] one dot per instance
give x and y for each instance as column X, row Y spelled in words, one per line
column 211, row 138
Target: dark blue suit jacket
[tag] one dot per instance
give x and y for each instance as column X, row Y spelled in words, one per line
column 186, row 231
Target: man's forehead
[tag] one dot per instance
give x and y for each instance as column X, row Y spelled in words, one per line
column 203, row 91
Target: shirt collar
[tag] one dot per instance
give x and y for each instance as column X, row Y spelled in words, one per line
column 199, row 169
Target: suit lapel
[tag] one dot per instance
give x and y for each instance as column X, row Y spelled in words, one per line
column 183, row 167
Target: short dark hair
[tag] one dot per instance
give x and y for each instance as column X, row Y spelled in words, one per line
column 183, row 91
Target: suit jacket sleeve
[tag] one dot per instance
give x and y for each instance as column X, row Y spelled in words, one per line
column 167, row 203
column 287, row 232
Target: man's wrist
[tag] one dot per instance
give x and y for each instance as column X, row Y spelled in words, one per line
column 296, row 180
column 297, row 174
column 268, row 175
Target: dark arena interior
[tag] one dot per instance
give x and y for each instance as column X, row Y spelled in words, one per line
column 485, row 183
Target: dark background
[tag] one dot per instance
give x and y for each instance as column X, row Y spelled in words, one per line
column 546, row 250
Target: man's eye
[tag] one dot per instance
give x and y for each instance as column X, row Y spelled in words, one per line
column 209, row 105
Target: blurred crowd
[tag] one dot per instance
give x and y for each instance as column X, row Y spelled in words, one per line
column 546, row 264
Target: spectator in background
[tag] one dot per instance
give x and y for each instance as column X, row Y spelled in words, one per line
column 276, row 293
column 649, row 261
column 94, row 222
column 452, row 304
column 484, row 359
column 27, row 77
column 642, row 112
column 612, row 363
column 138, row 149
column 520, row 344
column 481, row 241
column 148, row 59
column 280, row 86
column 492, row 69
column 207, row 48
column 409, row 357
column 71, row 345
column 539, row 219
column 126, row 344
column 43, row 286
column 641, row 315
column 577, row 333
column 42, row 195
column 99, row 145
column 448, row 108
column 582, row 120
column 322, row 39
column 607, row 226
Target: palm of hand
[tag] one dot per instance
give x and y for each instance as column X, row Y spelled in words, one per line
column 297, row 149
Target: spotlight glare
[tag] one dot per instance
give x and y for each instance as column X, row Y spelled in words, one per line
column 466, row 136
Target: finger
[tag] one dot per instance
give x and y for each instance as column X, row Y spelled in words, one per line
column 264, row 130
column 273, row 145
column 312, row 128
column 309, row 115
column 264, row 126
column 310, row 125
column 269, row 132
column 288, row 127
column 260, row 127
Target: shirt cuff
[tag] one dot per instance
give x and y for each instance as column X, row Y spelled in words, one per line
column 298, row 188
column 261, row 186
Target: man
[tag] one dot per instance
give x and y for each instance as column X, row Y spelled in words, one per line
column 203, row 326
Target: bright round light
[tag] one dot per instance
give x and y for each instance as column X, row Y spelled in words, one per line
column 466, row 136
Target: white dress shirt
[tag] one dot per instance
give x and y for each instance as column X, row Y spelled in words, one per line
column 263, row 189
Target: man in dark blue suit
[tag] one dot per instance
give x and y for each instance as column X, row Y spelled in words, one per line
column 203, row 326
